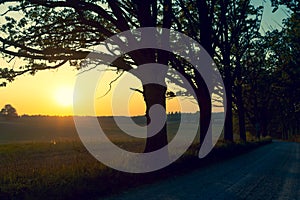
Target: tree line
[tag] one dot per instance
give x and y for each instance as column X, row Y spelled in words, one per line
column 260, row 70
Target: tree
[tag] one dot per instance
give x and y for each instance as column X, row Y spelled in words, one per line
column 257, row 85
column 196, row 19
column 284, row 57
column 66, row 31
column 8, row 111
column 271, row 92
column 49, row 34
column 226, row 29
column 244, row 32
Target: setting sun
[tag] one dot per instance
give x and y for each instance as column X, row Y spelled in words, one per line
column 64, row 96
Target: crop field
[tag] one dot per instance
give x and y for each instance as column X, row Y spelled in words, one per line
column 43, row 157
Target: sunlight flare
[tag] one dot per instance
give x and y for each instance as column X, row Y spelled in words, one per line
column 64, row 96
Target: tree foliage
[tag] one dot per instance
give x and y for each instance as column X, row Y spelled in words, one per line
column 8, row 111
column 49, row 34
column 271, row 88
column 260, row 72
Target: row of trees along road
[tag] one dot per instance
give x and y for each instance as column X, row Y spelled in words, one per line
column 48, row 34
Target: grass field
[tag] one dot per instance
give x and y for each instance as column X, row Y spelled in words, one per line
column 43, row 158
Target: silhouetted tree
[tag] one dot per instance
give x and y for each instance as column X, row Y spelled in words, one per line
column 225, row 29
column 284, row 57
column 8, row 111
column 66, row 31
column 48, row 34
column 270, row 88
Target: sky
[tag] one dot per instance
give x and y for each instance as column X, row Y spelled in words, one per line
column 51, row 92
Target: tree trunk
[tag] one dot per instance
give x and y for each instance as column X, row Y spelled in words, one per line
column 155, row 94
column 228, row 82
column 203, row 97
column 228, row 127
column 241, row 112
column 240, row 101
column 205, row 116
column 264, row 121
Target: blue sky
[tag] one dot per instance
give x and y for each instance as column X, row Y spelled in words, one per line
column 271, row 20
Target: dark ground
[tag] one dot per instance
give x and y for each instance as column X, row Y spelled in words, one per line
column 269, row 172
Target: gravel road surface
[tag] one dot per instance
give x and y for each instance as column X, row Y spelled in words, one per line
column 269, row 172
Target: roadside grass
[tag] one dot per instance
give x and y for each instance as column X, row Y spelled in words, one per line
column 43, row 158
column 66, row 170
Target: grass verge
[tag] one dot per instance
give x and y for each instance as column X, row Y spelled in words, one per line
column 67, row 171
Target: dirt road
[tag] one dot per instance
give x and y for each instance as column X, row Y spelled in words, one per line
column 269, row 172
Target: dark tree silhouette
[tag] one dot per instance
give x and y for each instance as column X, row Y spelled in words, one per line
column 49, row 34
column 8, row 111
column 270, row 88
column 52, row 33
column 226, row 30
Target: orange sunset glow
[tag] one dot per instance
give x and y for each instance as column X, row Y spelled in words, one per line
column 50, row 92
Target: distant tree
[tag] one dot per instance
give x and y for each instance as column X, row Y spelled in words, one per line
column 8, row 111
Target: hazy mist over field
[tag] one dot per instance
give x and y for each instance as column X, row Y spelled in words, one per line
column 51, row 128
